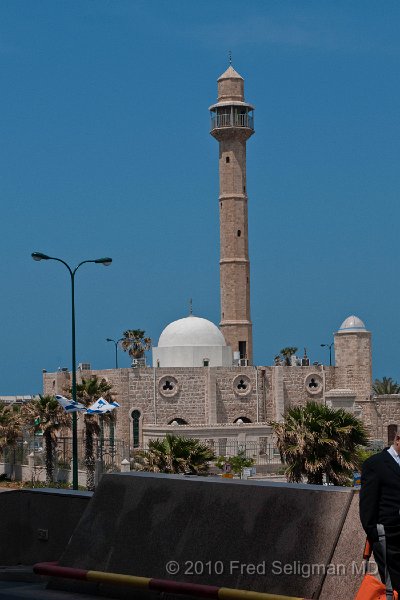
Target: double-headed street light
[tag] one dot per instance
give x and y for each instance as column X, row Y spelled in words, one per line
column 330, row 351
column 116, row 349
column 101, row 261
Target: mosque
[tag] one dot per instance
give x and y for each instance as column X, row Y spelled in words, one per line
column 203, row 383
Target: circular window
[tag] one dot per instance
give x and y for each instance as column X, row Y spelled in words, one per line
column 313, row 383
column 168, row 386
column 242, row 385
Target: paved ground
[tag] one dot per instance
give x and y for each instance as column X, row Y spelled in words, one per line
column 20, row 582
column 11, row 590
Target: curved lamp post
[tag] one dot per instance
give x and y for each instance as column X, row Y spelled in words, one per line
column 330, row 351
column 116, row 349
column 101, row 261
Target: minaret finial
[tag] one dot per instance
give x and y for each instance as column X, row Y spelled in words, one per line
column 190, row 306
column 230, row 57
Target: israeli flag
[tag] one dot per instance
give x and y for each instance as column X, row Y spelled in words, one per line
column 101, row 406
column 70, row 406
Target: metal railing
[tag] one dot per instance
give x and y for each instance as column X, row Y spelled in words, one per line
column 109, row 451
column 263, row 453
column 232, row 120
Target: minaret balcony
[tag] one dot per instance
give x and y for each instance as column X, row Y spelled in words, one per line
column 232, row 119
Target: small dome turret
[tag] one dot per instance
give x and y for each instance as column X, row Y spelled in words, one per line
column 352, row 323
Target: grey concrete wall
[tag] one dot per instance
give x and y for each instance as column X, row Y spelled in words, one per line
column 138, row 522
column 345, row 578
column 25, row 512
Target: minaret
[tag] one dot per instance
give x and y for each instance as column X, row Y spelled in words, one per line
column 232, row 125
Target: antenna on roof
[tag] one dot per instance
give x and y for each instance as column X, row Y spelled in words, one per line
column 190, row 306
column 230, row 57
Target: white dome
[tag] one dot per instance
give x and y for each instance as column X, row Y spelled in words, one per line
column 191, row 331
column 352, row 323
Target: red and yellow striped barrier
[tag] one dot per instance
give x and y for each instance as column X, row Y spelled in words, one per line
column 158, row 585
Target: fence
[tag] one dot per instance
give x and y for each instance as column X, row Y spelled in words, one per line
column 262, row 452
column 31, row 453
column 27, row 459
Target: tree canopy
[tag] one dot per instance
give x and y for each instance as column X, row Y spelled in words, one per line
column 87, row 392
column 386, row 385
column 315, row 440
column 286, row 354
column 175, row 454
column 45, row 415
column 135, row 342
column 10, row 424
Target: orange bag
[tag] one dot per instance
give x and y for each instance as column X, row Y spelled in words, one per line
column 372, row 589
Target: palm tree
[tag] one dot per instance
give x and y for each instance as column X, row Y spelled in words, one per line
column 386, row 385
column 10, row 428
column 315, row 440
column 46, row 415
column 175, row 454
column 287, row 353
column 10, row 424
column 135, row 343
column 87, row 392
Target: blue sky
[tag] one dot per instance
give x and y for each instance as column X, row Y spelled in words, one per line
column 105, row 150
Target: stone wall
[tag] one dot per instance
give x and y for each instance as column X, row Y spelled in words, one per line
column 236, row 390
column 378, row 413
column 220, row 395
column 354, row 362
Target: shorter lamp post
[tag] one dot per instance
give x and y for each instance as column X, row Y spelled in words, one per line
column 116, row 349
column 330, row 351
column 101, row 261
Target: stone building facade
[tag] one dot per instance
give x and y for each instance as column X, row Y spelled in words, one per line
column 235, row 404
column 202, row 384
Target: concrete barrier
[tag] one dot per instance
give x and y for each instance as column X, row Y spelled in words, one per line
column 36, row 525
column 287, row 539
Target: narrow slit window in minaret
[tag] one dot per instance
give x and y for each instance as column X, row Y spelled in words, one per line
column 239, row 233
column 227, row 159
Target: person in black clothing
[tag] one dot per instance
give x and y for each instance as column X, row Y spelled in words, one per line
column 380, row 503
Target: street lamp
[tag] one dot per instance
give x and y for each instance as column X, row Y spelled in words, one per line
column 116, row 349
column 330, row 351
column 101, row 261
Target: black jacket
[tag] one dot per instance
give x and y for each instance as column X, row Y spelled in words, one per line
column 380, row 493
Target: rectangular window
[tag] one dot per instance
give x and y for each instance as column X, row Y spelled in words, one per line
column 242, row 350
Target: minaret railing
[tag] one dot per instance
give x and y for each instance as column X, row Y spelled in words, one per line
column 232, row 120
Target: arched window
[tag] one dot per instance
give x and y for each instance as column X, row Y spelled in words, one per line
column 240, row 420
column 135, row 428
column 178, row 421
column 391, row 432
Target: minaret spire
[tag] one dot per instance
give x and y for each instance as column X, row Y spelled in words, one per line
column 231, row 126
